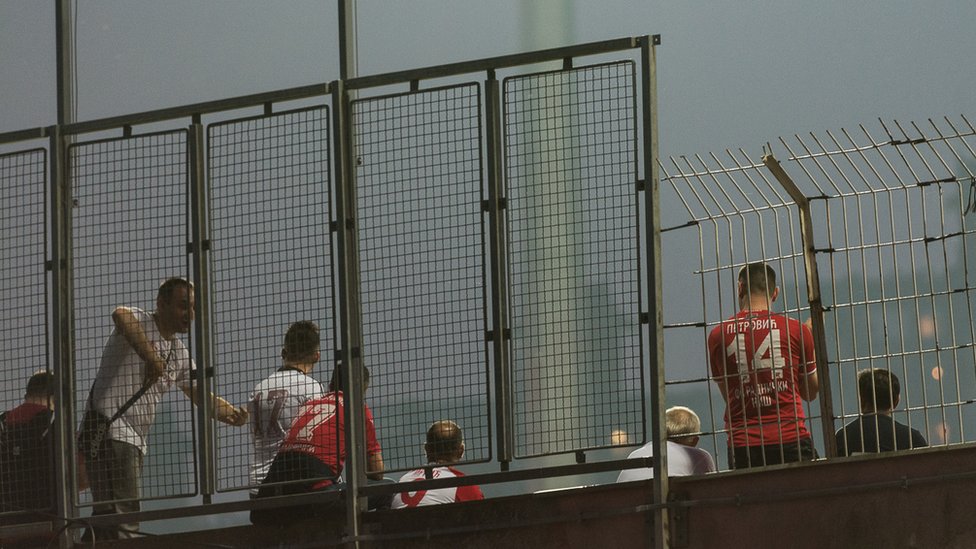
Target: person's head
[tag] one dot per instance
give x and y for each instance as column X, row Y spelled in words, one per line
column 336, row 383
column 40, row 388
column 445, row 442
column 683, row 425
column 301, row 344
column 175, row 306
column 757, row 281
column 878, row 390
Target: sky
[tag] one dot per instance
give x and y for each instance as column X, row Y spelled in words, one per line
column 730, row 74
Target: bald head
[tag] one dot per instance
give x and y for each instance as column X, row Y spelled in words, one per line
column 445, row 442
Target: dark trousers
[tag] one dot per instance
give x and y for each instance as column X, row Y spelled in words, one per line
column 743, row 457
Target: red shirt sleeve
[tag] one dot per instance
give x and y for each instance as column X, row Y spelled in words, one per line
column 469, row 493
column 716, row 352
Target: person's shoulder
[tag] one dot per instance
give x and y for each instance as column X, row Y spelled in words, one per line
column 454, row 471
column 644, row 451
column 410, row 476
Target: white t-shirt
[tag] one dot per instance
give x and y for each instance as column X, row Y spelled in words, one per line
column 274, row 405
column 682, row 461
column 121, row 373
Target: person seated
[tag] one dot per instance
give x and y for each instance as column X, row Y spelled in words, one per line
column 313, row 454
column 444, row 446
column 876, row 430
column 26, row 449
column 684, row 459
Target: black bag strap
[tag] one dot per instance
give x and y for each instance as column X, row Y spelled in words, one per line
column 128, row 404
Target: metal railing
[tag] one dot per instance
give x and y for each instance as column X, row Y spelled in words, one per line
column 414, row 225
column 871, row 241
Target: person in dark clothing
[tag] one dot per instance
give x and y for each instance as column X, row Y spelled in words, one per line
column 26, row 449
column 876, row 430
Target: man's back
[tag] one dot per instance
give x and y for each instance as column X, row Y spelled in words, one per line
column 26, row 459
column 437, row 496
column 761, row 358
column 273, row 408
column 682, row 461
column 877, row 433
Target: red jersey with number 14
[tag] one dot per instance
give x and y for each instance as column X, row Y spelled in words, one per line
column 762, row 358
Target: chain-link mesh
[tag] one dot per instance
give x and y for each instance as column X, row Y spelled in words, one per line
column 422, row 267
column 26, row 477
column 129, row 234
column 271, row 251
column 571, row 160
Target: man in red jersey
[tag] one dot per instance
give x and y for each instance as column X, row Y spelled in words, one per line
column 313, row 454
column 763, row 364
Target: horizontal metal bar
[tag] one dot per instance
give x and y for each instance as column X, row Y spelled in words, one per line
column 206, row 107
column 490, row 63
column 24, row 135
column 513, row 476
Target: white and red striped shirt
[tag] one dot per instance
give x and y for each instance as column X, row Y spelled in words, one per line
column 438, row 496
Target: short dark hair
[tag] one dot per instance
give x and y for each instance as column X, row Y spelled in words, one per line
column 301, row 341
column 758, row 277
column 40, row 385
column 170, row 285
column 878, row 388
column 336, row 383
column 444, row 440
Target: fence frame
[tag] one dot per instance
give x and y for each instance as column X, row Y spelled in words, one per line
column 341, row 93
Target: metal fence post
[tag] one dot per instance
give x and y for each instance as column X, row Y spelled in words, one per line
column 813, row 297
column 350, row 321
column 655, row 323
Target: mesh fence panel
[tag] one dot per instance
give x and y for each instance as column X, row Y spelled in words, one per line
column 24, row 482
column 571, row 154
column 271, row 267
column 422, row 267
column 737, row 214
column 129, row 233
column 897, row 266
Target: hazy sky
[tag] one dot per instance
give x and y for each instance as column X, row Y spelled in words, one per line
column 731, row 74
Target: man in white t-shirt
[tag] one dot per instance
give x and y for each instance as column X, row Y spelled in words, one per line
column 684, row 458
column 277, row 401
column 445, row 445
column 142, row 351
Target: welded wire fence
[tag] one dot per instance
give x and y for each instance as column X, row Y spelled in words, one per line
column 896, row 249
column 245, row 207
column 23, row 328
column 130, row 231
column 891, row 243
column 422, row 249
column 271, row 266
column 571, row 159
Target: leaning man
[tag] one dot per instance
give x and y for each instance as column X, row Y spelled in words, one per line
column 143, row 358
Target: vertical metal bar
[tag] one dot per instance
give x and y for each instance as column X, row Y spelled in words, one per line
column 199, row 244
column 65, row 65
column 350, row 315
column 813, row 297
column 63, row 335
column 348, row 53
column 662, row 537
column 498, row 250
